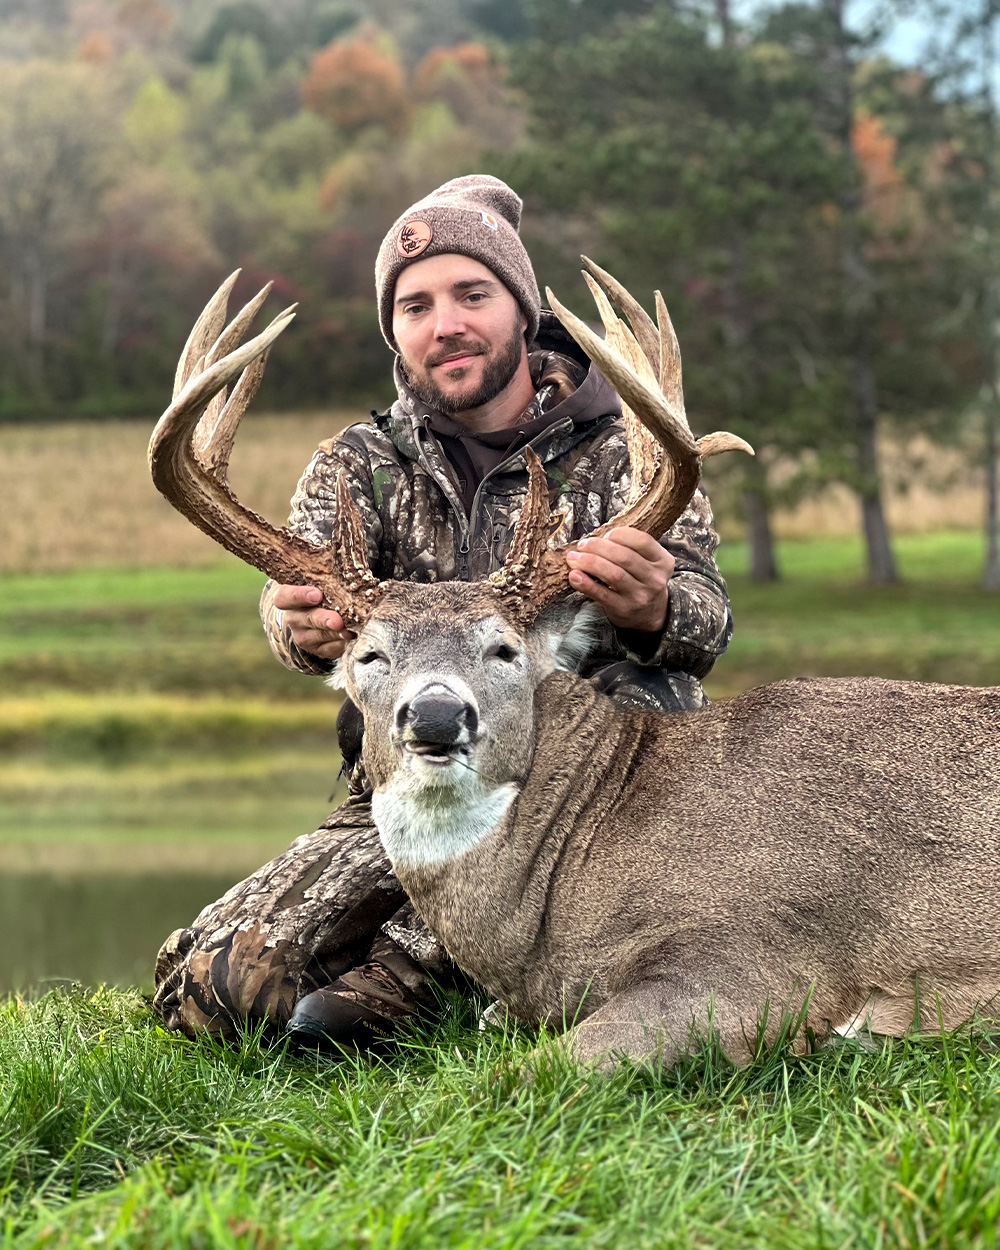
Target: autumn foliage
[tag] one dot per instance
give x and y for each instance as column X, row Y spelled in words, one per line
column 354, row 83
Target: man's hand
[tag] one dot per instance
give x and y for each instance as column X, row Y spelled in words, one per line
column 319, row 631
column 636, row 573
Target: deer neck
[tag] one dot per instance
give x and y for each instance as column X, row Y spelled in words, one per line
column 481, row 877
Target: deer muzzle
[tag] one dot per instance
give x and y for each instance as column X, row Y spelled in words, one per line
column 436, row 720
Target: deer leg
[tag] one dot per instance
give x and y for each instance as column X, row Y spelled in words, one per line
column 656, row 1022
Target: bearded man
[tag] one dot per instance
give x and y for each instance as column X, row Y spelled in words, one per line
column 322, row 941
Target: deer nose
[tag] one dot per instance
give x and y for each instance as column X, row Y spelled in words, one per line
column 437, row 716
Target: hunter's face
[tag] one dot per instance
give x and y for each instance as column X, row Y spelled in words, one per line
column 459, row 331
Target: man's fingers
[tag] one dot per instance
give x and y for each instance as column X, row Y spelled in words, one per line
column 612, row 574
column 322, row 619
column 636, row 540
column 593, row 590
column 640, row 554
column 330, row 650
column 296, row 597
column 313, row 640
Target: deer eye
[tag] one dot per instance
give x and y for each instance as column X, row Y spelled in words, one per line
column 502, row 652
column 369, row 657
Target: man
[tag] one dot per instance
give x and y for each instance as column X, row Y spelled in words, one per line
column 322, row 940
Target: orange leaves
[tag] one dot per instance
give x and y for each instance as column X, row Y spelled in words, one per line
column 875, row 151
column 355, row 83
column 359, row 82
column 470, row 61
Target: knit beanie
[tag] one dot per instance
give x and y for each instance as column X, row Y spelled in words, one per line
column 476, row 216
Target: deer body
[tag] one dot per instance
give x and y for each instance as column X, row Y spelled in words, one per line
column 730, row 859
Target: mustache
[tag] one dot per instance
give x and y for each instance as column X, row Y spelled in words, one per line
column 453, row 349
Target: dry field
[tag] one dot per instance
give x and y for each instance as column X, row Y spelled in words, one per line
column 78, row 494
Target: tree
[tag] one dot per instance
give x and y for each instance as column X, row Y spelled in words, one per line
column 56, row 138
column 697, row 161
column 963, row 56
column 355, row 83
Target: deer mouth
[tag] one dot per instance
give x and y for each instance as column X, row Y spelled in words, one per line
column 436, row 753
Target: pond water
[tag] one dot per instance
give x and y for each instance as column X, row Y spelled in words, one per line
column 93, row 929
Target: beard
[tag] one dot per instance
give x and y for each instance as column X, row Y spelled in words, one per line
column 498, row 372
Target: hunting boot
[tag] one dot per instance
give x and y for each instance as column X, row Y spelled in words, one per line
column 365, row 1005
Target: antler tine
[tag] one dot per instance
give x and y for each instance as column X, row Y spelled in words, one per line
column 232, row 335
column 640, row 320
column 627, row 363
column 200, row 492
column 671, row 375
column 643, row 449
column 204, row 332
column 681, row 462
column 215, row 433
column 528, row 544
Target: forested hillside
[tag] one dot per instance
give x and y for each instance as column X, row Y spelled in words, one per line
column 820, row 219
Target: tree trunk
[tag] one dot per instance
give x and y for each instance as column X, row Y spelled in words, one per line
column 859, row 309
column 991, row 302
column 37, row 317
column 760, row 540
column 881, row 562
column 724, row 18
column 991, row 572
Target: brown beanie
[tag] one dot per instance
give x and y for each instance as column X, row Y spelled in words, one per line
column 475, row 216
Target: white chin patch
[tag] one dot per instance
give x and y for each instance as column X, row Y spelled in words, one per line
column 426, row 826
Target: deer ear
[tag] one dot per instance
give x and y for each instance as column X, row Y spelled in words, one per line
column 335, row 680
column 570, row 630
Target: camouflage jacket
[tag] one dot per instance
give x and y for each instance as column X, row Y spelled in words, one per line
column 418, row 528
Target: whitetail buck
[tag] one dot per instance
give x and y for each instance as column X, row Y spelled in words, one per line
column 649, row 876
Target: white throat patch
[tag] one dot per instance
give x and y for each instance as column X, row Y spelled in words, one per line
column 422, row 828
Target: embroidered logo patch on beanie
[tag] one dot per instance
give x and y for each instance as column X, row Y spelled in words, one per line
column 489, row 220
column 413, row 238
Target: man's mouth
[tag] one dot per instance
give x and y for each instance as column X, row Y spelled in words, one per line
column 457, row 362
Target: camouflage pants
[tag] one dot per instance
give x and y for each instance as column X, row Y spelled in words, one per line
column 314, row 912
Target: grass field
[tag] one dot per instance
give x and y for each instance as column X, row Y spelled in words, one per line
column 113, row 1133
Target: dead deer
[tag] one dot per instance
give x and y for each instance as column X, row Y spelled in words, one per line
column 645, row 877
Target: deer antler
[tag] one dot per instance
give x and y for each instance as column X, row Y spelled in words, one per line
column 643, row 364
column 189, row 459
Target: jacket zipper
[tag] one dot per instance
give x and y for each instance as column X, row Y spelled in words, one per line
column 467, row 531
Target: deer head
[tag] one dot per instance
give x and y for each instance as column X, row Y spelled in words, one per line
column 444, row 674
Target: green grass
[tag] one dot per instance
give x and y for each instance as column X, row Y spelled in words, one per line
column 114, row 1133
column 822, row 619
column 168, row 630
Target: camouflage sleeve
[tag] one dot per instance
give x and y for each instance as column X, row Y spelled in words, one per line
column 699, row 623
column 312, row 518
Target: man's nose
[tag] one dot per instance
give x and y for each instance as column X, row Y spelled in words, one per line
column 449, row 320
column 437, row 716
